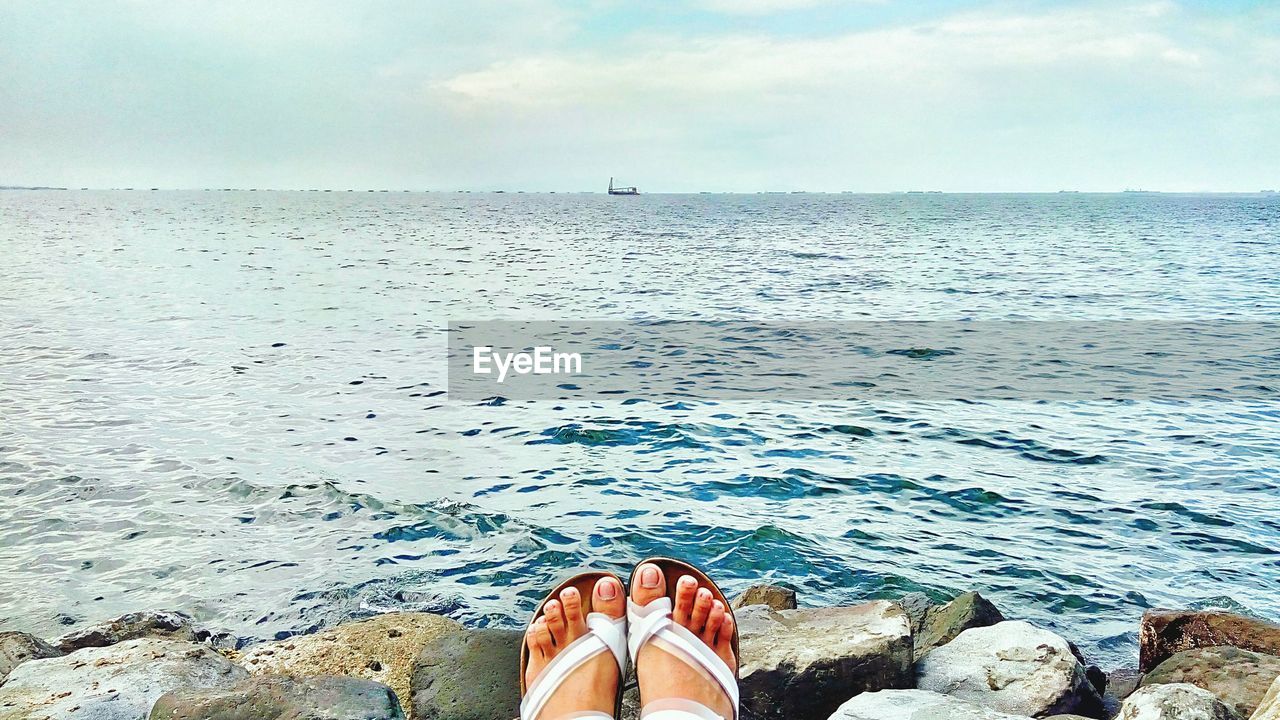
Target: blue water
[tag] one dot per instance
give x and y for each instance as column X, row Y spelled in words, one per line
column 233, row 403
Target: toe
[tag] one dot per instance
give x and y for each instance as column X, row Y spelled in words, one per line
column 715, row 618
column 724, row 642
column 649, row 585
column 701, row 609
column 686, row 591
column 543, row 637
column 554, row 615
column 576, row 622
column 535, row 648
column 608, row 597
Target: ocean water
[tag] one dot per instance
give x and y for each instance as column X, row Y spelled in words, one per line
column 234, row 404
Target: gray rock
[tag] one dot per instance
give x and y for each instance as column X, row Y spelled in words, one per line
column 148, row 624
column 917, row 606
column 943, row 623
column 1120, row 684
column 802, row 664
column 915, row 705
column 282, row 697
column 1269, row 708
column 382, row 649
column 1165, row 632
column 120, row 682
column 1175, row 702
column 1013, row 667
column 468, row 675
column 18, row 647
column 775, row 596
column 1238, row 678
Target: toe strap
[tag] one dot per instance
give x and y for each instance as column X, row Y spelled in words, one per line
column 605, row 634
column 653, row 622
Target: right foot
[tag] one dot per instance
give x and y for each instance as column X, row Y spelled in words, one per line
column 594, row 686
column 662, row 675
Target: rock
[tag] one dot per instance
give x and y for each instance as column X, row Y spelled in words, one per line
column 917, row 606
column 18, row 647
column 1120, row 684
column 1067, row 717
column 1165, row 632
column 281, row 697
column 468, row 675
column 120, row 682
column 915, row 705
column 802, row 664
column 1013, row 667
column 148, row 624
column 1238, row 678
column 381, row 649
column 1269, row 708
column 943, row 623
column 1175, row 702
column 775, row 596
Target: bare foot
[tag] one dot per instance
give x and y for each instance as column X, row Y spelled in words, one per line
column 594, row 686
column 662, row 675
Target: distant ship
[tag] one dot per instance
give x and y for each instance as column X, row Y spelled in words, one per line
column 622, row 190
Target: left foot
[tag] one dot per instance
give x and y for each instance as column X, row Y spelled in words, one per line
column 594, row 686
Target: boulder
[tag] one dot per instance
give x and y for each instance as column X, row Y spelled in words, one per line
column 18, row 647
column 802, row 664
column 163, row 624
column 281, row 697
column 1120, row 684
column 120, row 682
column 468, row 675
column 381, row 649
column 915, row 705
column 1165, row 632
column 917, row 606
column 1238, row 678
column 1013, row 667
column 1175, row 702
column 775, row 596
column 943, row 623
column 1269, row 708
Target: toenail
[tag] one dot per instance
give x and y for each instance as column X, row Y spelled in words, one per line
column 608, row 590
column 571, row 592
column 688, row 581
column 704, row 594
column 649, row 577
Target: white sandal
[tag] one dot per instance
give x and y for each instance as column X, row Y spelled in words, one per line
column 653, row 623
column 605, row 634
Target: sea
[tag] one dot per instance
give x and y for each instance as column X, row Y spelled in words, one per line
column 236, row 404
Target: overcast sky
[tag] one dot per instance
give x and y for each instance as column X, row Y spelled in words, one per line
column 669, row 95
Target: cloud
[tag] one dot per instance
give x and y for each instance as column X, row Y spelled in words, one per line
column 963, row 51
column 767, row 7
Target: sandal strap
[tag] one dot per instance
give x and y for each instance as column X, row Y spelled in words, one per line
column 653, row 622
column 605, row 634
column 678, row 709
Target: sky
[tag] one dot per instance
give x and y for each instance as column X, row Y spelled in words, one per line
column 669, row 95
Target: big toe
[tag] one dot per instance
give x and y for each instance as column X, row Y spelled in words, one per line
column 648, row 584
column 607, row 597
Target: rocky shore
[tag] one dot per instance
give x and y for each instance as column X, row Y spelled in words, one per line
column 912, row 659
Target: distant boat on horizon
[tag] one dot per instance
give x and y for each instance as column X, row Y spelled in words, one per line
column 622, row 190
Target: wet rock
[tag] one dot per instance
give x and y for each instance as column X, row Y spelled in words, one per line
column 1175, row 702
column 1013, row 667
column 381, row 649
column 163, row 624
column 18, row 647
column 1269, row 708
column 775, row 596
column 281, row 697
column 943, row 623
column 1238, row 678
column 915, row 705
column 1165, row 632
column 119, row 682
column 468, row 675
column 802, row 664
